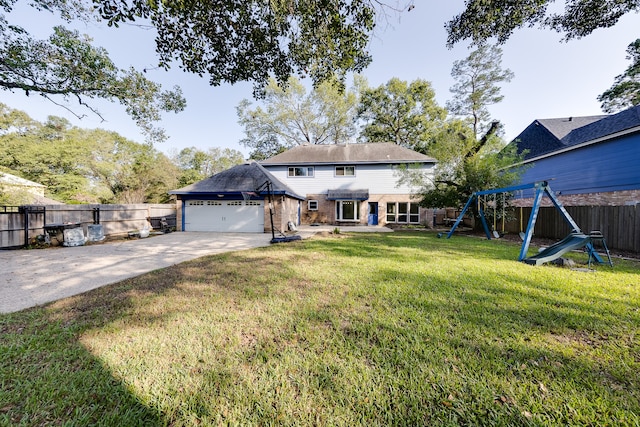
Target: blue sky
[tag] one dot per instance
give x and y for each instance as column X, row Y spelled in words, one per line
column 552, row 78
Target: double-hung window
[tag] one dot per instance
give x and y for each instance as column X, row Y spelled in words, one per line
column 345, row 171
column 300, row 171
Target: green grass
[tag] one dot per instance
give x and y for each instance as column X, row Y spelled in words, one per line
column 356, row 329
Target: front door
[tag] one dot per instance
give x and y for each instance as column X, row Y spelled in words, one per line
column 373, row 213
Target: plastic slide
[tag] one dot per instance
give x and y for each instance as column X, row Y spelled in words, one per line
column 569, row 243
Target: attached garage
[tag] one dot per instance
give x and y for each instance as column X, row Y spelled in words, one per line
column 235, row 216
column 236, row 201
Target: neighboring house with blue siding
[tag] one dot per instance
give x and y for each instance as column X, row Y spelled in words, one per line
column 586, row 160
column 353, row 183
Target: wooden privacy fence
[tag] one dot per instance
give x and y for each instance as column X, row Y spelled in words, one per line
column 620, row 225
column 20, row 224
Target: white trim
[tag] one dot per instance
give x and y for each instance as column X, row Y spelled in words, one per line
column 340, row 210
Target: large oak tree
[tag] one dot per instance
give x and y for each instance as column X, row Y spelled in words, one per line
column 227, row 41
column 404, row 113
column 485, row 19
column 83, row 165
column 625, row 91
column 293, row 115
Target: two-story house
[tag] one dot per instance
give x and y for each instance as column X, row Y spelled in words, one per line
column 330, row 184
column 353, row 183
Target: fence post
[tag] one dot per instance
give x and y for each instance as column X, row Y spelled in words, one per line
column 25, row 212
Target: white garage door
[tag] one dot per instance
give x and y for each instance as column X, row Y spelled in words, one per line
column 238, row 216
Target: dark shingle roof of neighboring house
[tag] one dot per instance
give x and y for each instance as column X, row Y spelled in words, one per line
column 248, row 177
column 348, row 153
column 546, row 136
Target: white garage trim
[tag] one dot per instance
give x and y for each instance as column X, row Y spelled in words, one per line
column 238, row 216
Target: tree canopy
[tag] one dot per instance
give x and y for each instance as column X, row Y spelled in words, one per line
column 196, row 164
column 625, row 91
column 477, row 86
column 68, row 67
column 467, row 162
column 252, row 40
column 227, row 40
column 83, row 165
column 484, row 19
column 400, row 112
column 290, row 116
column 466, row 165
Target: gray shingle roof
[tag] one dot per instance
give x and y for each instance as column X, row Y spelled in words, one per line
column 563, row 126
column 348, row 153
column 241, row 178
column 548, row 135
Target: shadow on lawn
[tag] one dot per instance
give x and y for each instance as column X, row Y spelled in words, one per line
column 47, row 376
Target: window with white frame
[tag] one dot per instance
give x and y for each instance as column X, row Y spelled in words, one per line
column 403, row 212
column 348, row 210
column 345, row 171
column 414, row 213
column 312, row 205
column 300, row 171
column 391, row 212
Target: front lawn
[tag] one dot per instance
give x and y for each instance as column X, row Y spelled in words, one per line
column 360, row 329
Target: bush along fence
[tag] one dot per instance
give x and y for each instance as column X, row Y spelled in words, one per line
column 20, row 225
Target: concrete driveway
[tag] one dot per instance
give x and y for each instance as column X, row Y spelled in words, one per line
column 33, row 277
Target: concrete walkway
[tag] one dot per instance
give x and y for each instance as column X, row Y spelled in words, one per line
column 33, row 277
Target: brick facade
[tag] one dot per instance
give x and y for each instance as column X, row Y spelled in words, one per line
column 285, row 210
column 326, row 212
column 612, row 198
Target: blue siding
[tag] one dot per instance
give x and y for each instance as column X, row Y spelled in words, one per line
column 608, row 166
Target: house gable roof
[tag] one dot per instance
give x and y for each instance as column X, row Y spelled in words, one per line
column 372, row 153
column 12, row 180
column 32, row 193
column 546, row 136
column 248, row 177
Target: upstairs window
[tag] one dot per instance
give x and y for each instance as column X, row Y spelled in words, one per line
column 301, row 171
column 345, row 170
column 312, row 205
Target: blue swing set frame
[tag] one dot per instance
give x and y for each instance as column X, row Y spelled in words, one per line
column 541, row 188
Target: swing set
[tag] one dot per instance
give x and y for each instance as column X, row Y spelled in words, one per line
column 575, row 240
